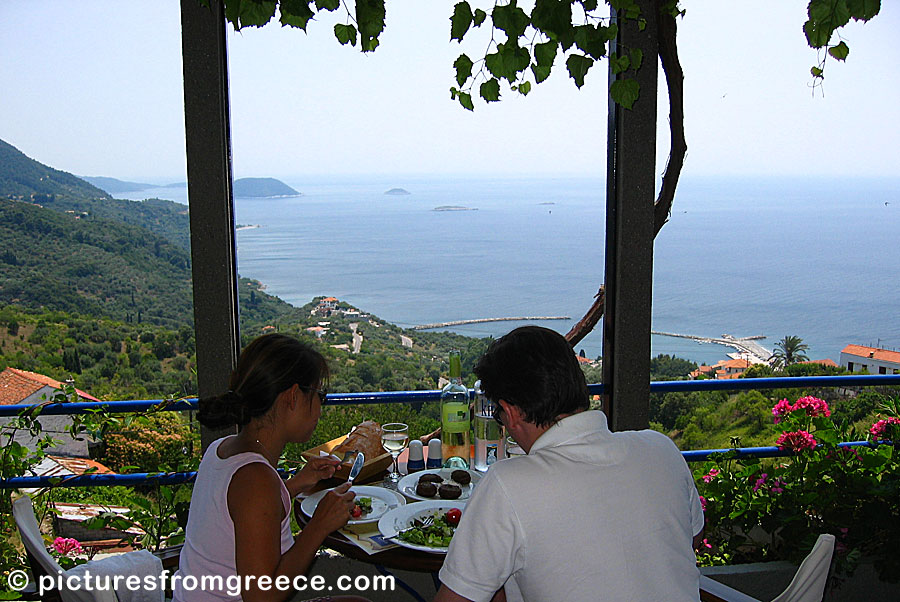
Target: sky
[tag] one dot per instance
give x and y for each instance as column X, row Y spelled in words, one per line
column 95, row 88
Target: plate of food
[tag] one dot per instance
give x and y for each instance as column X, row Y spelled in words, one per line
column 439, row 484
column 424, row 526
column 371, row 503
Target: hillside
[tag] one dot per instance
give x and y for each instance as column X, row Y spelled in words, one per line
column 61, row 261
column 262, row 187
column 114, row 186
column 26, row 179
column 23, row 178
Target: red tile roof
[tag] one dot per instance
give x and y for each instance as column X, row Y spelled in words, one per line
column 16, row 385
column 825, row 362
column 80, row 465
column 738, row 363
column 872, row 353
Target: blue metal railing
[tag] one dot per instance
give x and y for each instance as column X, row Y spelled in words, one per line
column 174, row 478
column 673, row 386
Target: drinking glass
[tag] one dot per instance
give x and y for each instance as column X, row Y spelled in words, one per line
column 394, row 439
column 513, row 449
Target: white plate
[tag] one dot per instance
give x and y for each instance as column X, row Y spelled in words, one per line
column 402, row 518
column 383, row 500
column 407, row 485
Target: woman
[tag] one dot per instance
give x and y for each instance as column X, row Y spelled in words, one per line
column 239, row 522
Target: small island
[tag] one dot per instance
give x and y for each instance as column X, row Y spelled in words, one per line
column 397, row 191
column 262, row 188
column 454, row 208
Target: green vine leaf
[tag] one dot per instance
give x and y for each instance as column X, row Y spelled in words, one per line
column 618, row 63
column 345, row 34
column 591, row 40
column 840, row 52
column 510, row 19
column 370, row 23
column 578, row 66
column 863, row 10
column 296, row 13
column 553, row 17
column 637, row 57
column 256, row 14
column 824, row 17
column 508, row 61
column 460, row 21
column 524, row 88
column 490, row 90
column 544, row 55
column 330, row 5
column 465, row 99
column 625, row 92
column 479, row 18
column 463, row 66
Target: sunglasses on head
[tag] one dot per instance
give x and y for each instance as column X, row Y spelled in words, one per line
column 322, row 393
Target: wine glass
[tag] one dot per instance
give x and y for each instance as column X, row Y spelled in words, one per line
column 394, row 439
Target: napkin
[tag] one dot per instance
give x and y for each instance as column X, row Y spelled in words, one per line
column 370, row 540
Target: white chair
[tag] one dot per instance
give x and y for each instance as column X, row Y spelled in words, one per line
column 808, row 584
column 42, row 563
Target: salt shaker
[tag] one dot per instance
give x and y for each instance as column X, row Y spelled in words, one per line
column 416, row 459
column 435, row 458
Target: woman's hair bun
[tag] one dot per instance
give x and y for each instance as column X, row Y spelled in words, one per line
column 223, row 411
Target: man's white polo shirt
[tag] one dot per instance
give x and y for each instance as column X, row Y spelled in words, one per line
column 588, row 515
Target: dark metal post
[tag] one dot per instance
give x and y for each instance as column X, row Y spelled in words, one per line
column 208, row 141
column 630, row 192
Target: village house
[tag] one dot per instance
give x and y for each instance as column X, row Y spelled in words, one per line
column 858, row 358
column 326, row 306
column 20, row 387
column 722, row 370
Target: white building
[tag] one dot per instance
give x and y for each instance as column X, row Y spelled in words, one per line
column 20, row 387
column 857, row 358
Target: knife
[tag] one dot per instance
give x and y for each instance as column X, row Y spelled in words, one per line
column 357, row 466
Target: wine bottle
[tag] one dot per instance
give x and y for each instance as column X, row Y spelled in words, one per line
column 455, row 422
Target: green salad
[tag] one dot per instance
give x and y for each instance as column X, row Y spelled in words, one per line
column 435, row 535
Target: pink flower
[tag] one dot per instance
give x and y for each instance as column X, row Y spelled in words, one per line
column 813, row 406
column 878, row 429
column 66, row 546
column 777, row 486
column 782, row 408
column 707, row 478
column 760, row 482
column 707, row 544
column 796, row 441
column 703, row 503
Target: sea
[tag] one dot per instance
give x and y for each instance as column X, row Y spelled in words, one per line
column 816, row 258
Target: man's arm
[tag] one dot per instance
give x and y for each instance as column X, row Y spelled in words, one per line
column 445, row 594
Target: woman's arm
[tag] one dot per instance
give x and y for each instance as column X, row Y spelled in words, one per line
column 255, row 507
column 316, row 469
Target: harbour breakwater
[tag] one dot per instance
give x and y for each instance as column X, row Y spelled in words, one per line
column 747, row 347
column 483, row 320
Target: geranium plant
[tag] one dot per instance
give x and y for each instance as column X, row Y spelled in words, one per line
column 774, row 509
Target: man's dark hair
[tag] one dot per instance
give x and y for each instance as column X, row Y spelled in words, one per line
column 535, row 369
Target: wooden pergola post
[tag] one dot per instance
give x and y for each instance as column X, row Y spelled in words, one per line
column 630, row 193
column 213, row 254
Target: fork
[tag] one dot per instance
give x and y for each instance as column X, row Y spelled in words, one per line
column 426, row 522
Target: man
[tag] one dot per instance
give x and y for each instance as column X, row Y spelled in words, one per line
column 588, row 514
